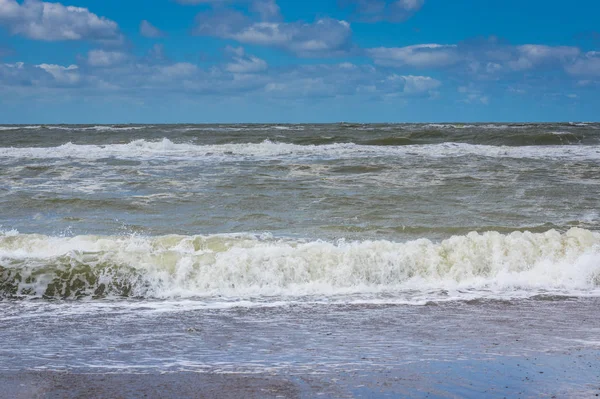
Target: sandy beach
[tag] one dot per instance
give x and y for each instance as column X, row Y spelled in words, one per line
column 544, row 347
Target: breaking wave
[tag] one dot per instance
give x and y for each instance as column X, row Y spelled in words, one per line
column 165, row 148
column 18, row 127
column 76, row 128
column 248, row 266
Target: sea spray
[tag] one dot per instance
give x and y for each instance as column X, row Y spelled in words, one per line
column 243, row 266
column 268, row 149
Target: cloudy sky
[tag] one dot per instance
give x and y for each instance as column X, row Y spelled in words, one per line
column 111, row 61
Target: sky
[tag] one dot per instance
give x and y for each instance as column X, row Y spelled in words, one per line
column 242, row 61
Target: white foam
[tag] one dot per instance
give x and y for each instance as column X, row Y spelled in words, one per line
column 18, row 127
column 98, row 128
column 453, row 126
column 243, row 266
column 165, row 148
column 288, row 127
column 240, row 128
column 489, row 126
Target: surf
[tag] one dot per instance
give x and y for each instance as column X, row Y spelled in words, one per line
column 250, row 266
column 267, row 149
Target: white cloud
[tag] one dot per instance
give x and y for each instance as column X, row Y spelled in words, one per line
column 244, row 74
column 243, row 63
column 324, row 37
column 410, row 5
column 419, row 84
column 53, row 22
column 266, row 9
column 345, row 79
column 383, row 10
column 420, row 56
column 179, row 70
column 473, row 95
column 194, row 2
column 16, row 65
column 235, row 51
column 516, row 90
column 493, row 67
column 39, row 76
column 157, row 52
column 101, row 58
column 61, row 73
column 589, row 65
column 262, row 33
column 531, row 55
column 149, row 30
column 487, row 60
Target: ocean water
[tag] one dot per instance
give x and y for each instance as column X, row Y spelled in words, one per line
column 169, row 219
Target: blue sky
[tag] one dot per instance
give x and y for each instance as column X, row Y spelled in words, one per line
column 153, row 61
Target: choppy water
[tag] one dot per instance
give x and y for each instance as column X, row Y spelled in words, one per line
column 109, row 232
column 272, row 212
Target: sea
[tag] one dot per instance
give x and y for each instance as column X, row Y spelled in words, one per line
column 296, row 249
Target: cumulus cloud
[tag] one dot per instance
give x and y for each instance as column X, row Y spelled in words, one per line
column 588, row 65
column 149, row 30
column 417, row 84
column 347, row 80
column 157, row 52
column 62, row 74
column 102, row 58
column 484, row 60
column 244, row 64
column 54, row 22
column 17, row 74
column 324, row 37
column 178, row 70
column 382, row 10
column 471, row 95
column 420, row 56
column 39, row 76
column 531, row 55
column 244, row 74
column 262, row 25
column 220, row 23
column 267, row 10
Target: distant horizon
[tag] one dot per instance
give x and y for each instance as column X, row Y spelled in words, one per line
column 300, row 123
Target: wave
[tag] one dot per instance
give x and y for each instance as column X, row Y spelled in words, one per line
column 490, row 126
column 247, row 266
column 500, row 126
column 551, row 138
column 99, row 128
column 268, row 149
column 18, row 127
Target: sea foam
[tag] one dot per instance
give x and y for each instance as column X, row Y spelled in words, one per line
column 246, row 266
column 165, row 148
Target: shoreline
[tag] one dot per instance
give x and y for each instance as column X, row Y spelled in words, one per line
column 512, row 349
column 559, row 375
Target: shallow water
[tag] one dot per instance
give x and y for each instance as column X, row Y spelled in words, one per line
column 171, row 336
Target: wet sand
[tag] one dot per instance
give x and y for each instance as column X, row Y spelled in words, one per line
column 543, row 347
column 569, row 375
